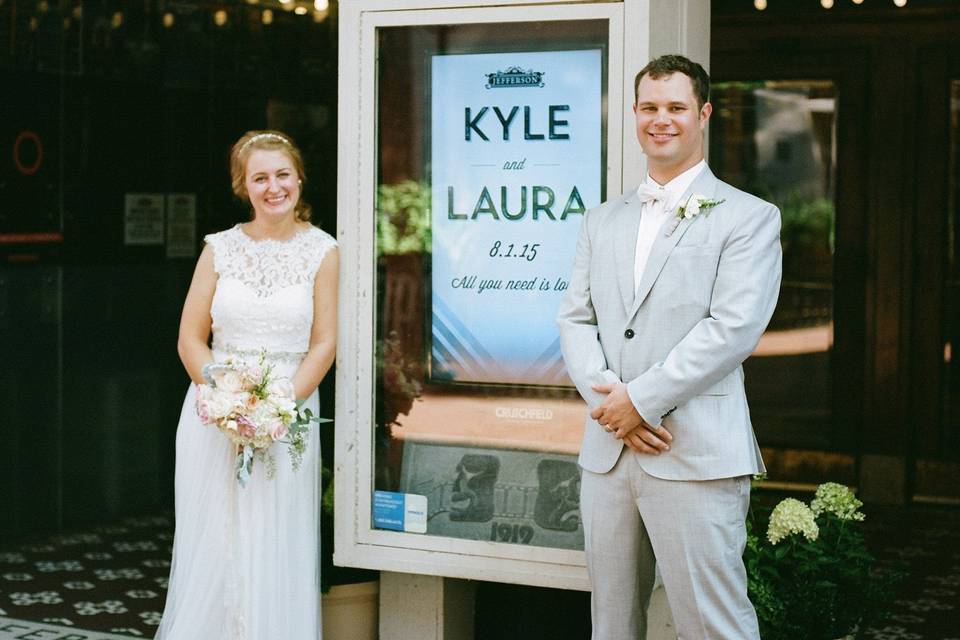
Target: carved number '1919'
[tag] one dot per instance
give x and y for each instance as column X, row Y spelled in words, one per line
column 503, row 532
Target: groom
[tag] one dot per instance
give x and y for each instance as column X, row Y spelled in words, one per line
column 672, row 286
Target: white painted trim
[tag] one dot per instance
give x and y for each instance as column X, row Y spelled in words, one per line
column 356, row 543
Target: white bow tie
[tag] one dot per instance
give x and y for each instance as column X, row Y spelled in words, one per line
column 649, row 193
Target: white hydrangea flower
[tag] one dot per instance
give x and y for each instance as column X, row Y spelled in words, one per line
column 789, row 517
column 837, row 499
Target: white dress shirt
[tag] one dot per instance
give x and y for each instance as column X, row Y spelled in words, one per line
column 654, row 213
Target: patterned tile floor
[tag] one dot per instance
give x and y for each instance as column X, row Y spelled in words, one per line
column 924, row 542
column 113, row 578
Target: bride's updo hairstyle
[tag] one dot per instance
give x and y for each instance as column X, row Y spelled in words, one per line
column 266, row 140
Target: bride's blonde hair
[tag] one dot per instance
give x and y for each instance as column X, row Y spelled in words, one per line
column 266, row 140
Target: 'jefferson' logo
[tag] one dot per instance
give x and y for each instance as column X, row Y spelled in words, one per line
column 514, row 77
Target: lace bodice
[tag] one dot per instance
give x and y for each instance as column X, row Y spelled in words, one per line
column 264, row 294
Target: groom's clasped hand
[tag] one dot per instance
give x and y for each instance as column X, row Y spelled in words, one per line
column 619, row 417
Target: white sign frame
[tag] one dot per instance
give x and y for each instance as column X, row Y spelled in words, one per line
column 356, row 543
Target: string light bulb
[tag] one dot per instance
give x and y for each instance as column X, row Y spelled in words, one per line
column 759, row 5
column 300, row 10
column 220, row 17
column 826, row 4
column 266, row 17
column 900, row 3
column 168, row 20
column 116, row 21
column 321, row 5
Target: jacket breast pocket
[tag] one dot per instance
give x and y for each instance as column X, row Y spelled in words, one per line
column 689, row 274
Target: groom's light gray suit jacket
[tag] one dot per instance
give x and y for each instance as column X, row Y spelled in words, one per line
column 679, row 338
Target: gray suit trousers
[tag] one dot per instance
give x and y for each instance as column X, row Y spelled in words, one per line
column 694, row 529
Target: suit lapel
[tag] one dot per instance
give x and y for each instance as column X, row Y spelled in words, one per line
column 626, row 223
column 705, row 184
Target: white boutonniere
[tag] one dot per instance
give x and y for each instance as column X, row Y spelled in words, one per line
column 695, row 204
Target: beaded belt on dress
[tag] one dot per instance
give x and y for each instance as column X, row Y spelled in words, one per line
column 285, row 356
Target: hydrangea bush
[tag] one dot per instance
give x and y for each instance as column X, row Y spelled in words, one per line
column 809, row 572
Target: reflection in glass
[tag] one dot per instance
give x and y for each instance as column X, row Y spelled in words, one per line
column 777, row 140
column 491, row 444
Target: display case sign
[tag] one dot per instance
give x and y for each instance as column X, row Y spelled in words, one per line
column 516, row 161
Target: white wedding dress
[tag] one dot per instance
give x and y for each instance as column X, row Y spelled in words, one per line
column 245, row 559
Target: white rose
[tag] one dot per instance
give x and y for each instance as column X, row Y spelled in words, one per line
column 284, row 405
column 280, row 388
column 219, row 405
column 263, row 413
column 254, row 375
column 231, row 425
column 229, row 381
column 693, row 206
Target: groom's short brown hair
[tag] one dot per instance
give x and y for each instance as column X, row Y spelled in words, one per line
column 670, row 64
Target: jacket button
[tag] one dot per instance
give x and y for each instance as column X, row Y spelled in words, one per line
column 628, row 334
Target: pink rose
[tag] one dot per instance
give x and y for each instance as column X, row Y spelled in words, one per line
column 246, row 428
column 203, row 400
column 277, row 430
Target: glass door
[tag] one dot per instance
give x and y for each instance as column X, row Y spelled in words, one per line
column 778, row 132
column 935, row 383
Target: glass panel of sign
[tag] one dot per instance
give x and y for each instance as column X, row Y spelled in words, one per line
column 491, row 147
column 777, row 140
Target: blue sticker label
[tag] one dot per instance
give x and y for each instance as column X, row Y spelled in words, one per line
column 400, row 511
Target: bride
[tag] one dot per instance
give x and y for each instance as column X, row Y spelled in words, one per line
column 245, row 559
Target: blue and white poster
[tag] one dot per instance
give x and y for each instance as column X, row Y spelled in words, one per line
column 516, row 160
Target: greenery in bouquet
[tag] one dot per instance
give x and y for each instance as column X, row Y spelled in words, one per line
column 809, row 572
column 403, row 218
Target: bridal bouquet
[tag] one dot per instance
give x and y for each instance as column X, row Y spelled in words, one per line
column 254, row 408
